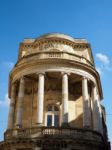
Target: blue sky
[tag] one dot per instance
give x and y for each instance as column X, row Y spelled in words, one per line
column 90, row 19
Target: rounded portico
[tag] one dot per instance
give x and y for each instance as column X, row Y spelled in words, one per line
column 55, row 90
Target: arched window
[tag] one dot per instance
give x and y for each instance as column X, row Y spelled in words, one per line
column 52, row 116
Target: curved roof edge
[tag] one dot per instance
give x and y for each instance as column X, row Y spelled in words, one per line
column 56, row 35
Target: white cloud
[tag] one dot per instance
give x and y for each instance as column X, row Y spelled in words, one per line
column 99, row 70
column 5, row 102
column 8, row 64
column 103, row 58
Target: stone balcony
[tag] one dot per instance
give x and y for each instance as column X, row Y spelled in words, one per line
column 53, row 132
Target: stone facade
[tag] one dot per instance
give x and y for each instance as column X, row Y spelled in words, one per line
column 55, row 94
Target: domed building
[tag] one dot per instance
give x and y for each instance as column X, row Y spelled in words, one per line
column 55, row 94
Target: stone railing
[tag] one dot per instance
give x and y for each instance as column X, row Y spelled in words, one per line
column 53, row 132
column 61, row 55
column 72, row 133
column 23, row 133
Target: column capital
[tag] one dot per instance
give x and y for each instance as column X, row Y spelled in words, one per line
column 13, row 82
column 42, row 73
column 83, row 77
column 22, row 77
column 94, row 88
column 68, row 73
column 94, row 85
column 22, row 80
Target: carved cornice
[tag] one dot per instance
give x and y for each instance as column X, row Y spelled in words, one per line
column 38, row 43
column 50, row 45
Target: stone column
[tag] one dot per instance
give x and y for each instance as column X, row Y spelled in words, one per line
column 64, row 99
column 86, row 104
column 100, row 117
column 20, row 103
column 12, row 107
column 97, row 116
column 40, row 99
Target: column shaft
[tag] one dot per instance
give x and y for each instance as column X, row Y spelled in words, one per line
column 12, row 107
column 20, row 103
column 65, row 98
column 40, row 99
column 86, row 104
column 97, row 118
column 100, row 118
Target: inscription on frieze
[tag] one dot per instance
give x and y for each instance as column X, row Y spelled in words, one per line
column 49, row 47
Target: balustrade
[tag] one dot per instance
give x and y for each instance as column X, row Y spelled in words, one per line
column 53, row 131
column 61, row 55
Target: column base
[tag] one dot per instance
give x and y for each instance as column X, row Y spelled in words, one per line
column 18, row 126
